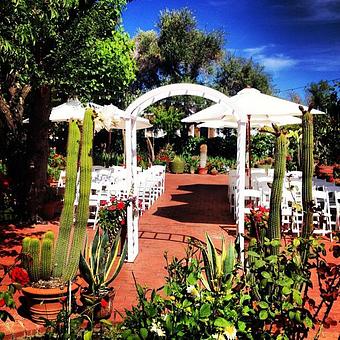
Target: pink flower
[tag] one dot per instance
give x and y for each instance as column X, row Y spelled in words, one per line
column 112, row 207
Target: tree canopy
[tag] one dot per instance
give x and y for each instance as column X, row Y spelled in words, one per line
column 177, row 51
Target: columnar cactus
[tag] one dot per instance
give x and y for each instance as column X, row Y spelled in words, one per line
column 307, row 170
column 66, row 218
column 82, row 213
column 274, row 222
column 63, row 262
column 203, row 155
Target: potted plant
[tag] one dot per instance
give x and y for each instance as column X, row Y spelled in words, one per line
column 99, row 267
column 52, row 265
column 177, row 165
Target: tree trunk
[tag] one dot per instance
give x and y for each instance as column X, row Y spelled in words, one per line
column 38, row 149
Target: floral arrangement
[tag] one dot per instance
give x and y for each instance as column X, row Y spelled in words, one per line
column 257, row 222
column 56, row 162
column 112, row 214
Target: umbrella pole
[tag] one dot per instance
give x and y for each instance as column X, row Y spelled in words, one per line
column 249, row 153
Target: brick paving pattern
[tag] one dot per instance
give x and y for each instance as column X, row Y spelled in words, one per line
column 191, row 206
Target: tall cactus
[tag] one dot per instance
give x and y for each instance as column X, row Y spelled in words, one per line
column 82, row 213
column 307, row 178
column 274, row 222
column 203, row 155
column 307, row 170
column 66, row 218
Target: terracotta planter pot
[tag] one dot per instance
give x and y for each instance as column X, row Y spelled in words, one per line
column 202, row 171
column 101, row 307
column 46, row 302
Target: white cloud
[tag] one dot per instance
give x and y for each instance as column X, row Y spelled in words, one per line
column 273, row 62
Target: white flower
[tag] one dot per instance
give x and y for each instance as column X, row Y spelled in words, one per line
column 192, row 291
column 230, row 332
column 157, row 328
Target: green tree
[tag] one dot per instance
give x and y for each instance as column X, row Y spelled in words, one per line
column 57, row 49
column 235, row 73
column 166, row 118
column 326, row 97
column 178, row 51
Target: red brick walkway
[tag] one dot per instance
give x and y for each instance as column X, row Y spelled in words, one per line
column 191, row 206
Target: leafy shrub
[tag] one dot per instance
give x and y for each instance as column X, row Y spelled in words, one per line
column 268, row 301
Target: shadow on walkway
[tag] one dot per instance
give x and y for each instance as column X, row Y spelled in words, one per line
column 203, row 203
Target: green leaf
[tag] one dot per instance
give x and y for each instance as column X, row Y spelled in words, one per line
column 297, row 297
column 252, row 253
column 286, row 290
column 263, row 304
column 308, row 322
column 259, row 263
column 241, row 326
column 88, row 335
column 205, row 311
column 266, row 275
column 220, row 322
column 191, row 280
column 263, row 315
column 144, row 333
column 275, row 243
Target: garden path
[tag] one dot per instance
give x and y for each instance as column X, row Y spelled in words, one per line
column 191, row 206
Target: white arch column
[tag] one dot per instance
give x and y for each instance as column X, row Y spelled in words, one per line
column 240, row 181
column 137, row 107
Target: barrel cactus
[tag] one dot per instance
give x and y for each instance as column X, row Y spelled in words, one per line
column 177, row 165
column 38, row 256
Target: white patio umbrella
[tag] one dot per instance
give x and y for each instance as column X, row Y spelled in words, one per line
column 109, row 116
column 257, row 122
column 250, row 101
column 247, row 104
column 213, row 112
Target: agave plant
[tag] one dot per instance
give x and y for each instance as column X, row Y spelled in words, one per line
column 99, row 265
column 218, row 266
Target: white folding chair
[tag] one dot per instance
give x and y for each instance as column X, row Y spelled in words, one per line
column 322, row 216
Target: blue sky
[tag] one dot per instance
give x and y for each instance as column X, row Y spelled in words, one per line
column 298, row 41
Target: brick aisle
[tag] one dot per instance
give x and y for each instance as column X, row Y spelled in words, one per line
column 191, row 206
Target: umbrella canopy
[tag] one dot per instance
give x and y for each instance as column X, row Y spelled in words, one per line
column 258, row 121
column 72, row 109
column 213, row 112
column 108, row 116
column 252, row 102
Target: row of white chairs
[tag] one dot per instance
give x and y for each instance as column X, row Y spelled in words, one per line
column 108, row 182
column 326, row 197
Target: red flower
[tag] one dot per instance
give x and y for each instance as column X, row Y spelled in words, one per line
column 103, row 303
column 112, row 207
column 102, row 202
column 2, row 302
column 120, row 205
column 19, row 275
column 122, row 222
column 112, row 199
